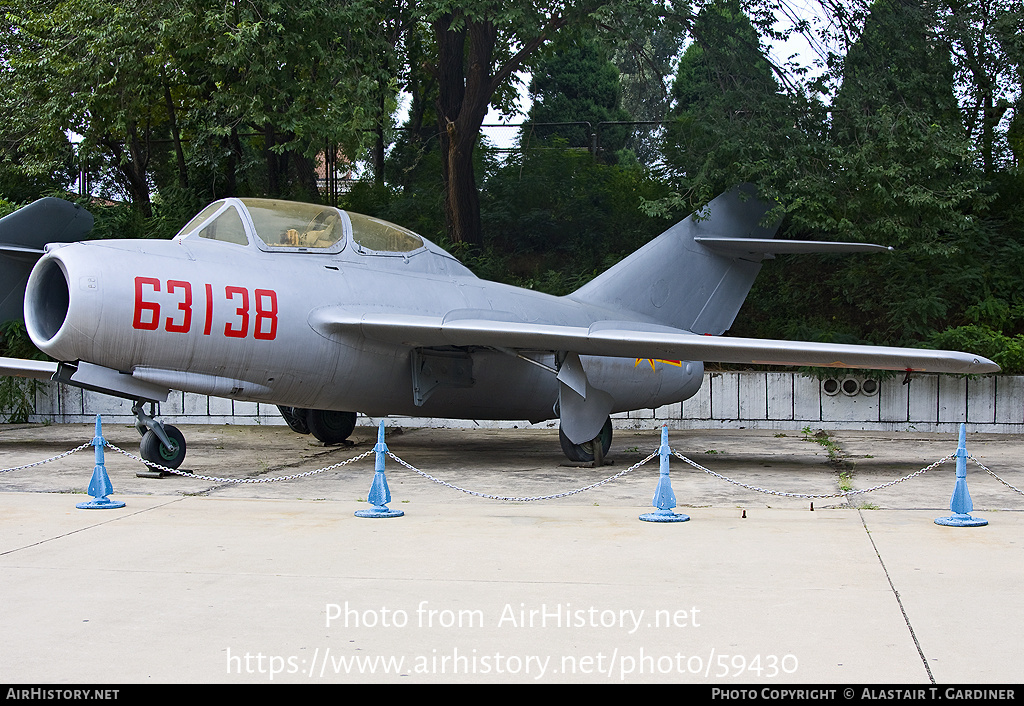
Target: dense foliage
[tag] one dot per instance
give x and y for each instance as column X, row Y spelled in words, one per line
column 908, row 132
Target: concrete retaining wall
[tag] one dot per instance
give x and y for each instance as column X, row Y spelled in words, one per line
column 757, row 400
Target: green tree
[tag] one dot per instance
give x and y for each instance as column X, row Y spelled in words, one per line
column 566, row 216
column 731, row 122
column 479, row 46
column 301, row 76
column 87, row 68
column 903, row 172
column 987, row 42
column 575, row 81
column 245, row 94
column 646, row 60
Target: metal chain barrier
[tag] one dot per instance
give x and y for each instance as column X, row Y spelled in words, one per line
column 523, row 499
column 214, row 479
column 841, row 494
column 40, row 463
column 989, row 471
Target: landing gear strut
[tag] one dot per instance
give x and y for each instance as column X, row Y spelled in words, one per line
column 592, row 451
column 295, row 418
column 161, row 444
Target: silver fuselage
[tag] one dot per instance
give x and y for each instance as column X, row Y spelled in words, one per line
column 241, row 322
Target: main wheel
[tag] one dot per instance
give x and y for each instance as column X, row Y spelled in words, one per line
column 295, row 418
column 330, row 427
column 584, row 453
column 155, row 452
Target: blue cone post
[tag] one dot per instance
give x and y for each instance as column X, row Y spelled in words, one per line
column 961, row 503
column 99, row 485
column 664, row 498
column 379, row 495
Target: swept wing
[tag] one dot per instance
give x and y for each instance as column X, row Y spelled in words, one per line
column 628, row 340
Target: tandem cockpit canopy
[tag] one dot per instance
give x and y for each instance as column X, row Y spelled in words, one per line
column 288, row 226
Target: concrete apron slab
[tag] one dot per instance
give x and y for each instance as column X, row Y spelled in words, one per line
column 280, row 582
column 198, row 588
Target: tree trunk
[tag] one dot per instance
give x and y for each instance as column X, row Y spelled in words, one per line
column 273, row 172
column 461, row 197
column 467, row 79
column 179, row 153
column 305, row 172
column 133, row 169
column 465, row 88
column 378, row 143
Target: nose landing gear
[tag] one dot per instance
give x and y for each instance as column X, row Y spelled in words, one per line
column 162, row 444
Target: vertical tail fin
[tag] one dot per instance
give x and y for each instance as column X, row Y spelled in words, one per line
column 677, row 281
column 22, row 237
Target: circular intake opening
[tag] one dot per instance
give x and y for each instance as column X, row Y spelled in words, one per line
column 46, row 301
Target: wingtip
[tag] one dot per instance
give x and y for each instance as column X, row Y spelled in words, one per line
column 985, row 366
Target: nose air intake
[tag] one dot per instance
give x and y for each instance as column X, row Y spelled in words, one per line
column 47, row 299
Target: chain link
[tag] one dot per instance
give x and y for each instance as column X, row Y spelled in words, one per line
column 991, row 473
column 40, row 463
column 841, row 494
column 214, row 479
column 522, row 499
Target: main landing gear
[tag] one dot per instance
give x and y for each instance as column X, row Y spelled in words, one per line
column 162, row 444
column 327, row 426
column 588, row 452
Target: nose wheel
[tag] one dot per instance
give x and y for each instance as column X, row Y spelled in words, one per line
column 156, row 451
column 162, row 444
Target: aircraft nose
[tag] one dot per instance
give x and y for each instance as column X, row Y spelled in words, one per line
column 47, row 299
column 56, row 318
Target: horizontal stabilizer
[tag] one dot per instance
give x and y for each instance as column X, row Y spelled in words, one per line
column 20, row 251
column 616, row 341
column 768, row 246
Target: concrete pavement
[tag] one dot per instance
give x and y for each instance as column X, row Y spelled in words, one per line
column 213, row 582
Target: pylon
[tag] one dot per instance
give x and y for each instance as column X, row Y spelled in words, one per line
column 379, row 495
column 99, row 485
column 960, row 503
column 664, row 498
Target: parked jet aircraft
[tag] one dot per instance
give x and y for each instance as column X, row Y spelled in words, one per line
column 327, row 313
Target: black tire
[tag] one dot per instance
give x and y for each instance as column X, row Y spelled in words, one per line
column 155, row 452
column 584, row 453
column 330, row 427
column 295, row 418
